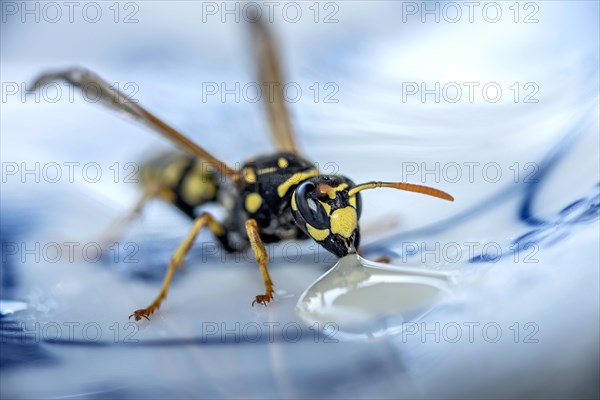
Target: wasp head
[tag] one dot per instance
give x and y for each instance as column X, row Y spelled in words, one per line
column 327, row 209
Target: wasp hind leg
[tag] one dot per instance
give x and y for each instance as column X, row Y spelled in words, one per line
column 261, row 257
column 177, row 259
column 118, row 228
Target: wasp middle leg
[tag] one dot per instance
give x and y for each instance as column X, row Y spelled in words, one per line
column 177, row 259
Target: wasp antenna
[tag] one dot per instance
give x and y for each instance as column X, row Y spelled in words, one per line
column 409, row 187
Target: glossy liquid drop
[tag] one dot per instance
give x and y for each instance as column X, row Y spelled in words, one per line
column 361, row 298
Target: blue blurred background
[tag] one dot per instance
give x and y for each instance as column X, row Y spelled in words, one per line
column 363, row 69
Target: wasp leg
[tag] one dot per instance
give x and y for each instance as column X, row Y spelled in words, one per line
column 114, row 232
column 382, row 259
column 176, row 260
column 261, row 257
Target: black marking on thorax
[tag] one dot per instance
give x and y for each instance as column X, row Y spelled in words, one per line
column 266, row 190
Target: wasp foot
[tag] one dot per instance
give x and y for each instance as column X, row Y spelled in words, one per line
column 383, row 260
column 263, row 298
column 143, row 313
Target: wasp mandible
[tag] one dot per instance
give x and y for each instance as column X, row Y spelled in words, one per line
column 274, row 197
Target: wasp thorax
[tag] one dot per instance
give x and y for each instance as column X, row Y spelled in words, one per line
column 323, row 209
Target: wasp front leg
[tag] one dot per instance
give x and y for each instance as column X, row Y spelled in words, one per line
column 177, row 259
column 261, row 257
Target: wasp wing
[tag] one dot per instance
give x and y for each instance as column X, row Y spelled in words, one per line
column 272, row 84
column 113, row 98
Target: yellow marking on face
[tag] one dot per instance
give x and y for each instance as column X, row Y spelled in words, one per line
column 323, row 188
column 195, row 190
column 266, row 170
column 249, row 175
column 341, row 187
column 331, row 191
column 253, row 202
column 343, row 221
column 326, row 206
column 294, row 205
column 282, row 163
column 317, row 234
column 352, row 201
column 294, row 180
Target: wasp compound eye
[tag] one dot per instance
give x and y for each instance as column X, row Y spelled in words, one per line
column 357, row 204
column 311, row 209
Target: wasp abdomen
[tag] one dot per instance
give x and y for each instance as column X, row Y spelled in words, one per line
column 181, row 179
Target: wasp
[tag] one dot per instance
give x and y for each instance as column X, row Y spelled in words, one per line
column 273, row 197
